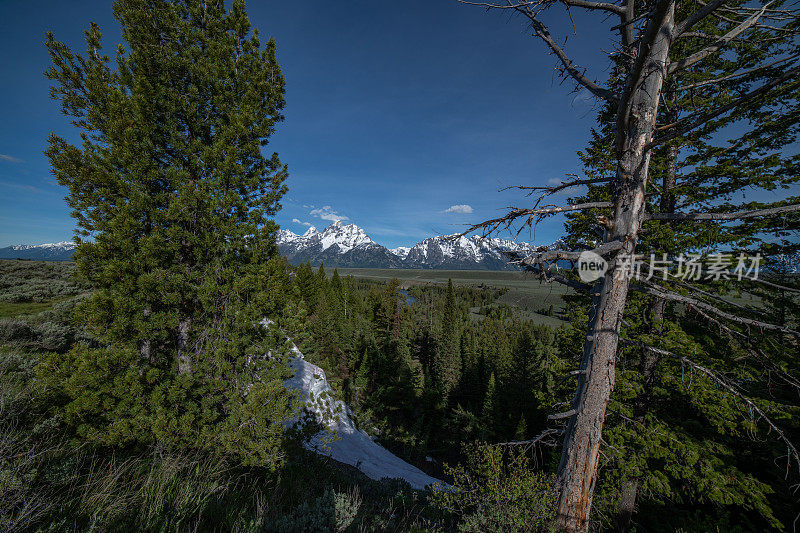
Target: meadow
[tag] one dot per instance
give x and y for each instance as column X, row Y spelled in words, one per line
column 533, row 299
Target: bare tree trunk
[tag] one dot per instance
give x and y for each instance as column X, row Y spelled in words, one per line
column 184, row 359
column 649, row 360
column 627, row 504
column 145, row 345
column 577, row 472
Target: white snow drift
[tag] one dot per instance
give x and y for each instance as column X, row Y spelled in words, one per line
column 341, row 439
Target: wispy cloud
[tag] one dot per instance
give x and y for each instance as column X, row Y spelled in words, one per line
column 11, row 159
column 22, row 186
column 392, row 232
column 460, row 209
column 298, row 221
column 326, row 212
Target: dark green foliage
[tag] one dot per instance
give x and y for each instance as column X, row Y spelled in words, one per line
column 46, row 484
column 386, row 356
column 508, row 384
column 496, row 493
column 447, row 364
column 670, row 431
column 173, row 199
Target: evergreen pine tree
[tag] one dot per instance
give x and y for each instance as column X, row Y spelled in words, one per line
column 489, row 409
column 173, row 200
column 448, row 356
column 522, row 429
column 712, row 167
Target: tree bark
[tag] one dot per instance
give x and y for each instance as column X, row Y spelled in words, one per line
column 577, row 473
column 184, row 359
column 627, row 504
column 649, row 360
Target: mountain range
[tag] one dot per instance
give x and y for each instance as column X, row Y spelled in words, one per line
column 59, row 251
column 347, row 245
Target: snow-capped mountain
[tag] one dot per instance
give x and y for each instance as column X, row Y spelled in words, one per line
column 344, row 237
column 58, row 251
column 462, row 253
column 344, row 245
column 349, row 246
column 401, row 251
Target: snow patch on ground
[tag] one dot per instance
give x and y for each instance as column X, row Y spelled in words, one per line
column 341, row 439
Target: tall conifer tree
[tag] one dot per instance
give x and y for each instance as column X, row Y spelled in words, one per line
column 173, row 199
column 448, row 357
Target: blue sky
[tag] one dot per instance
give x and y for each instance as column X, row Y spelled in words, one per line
column 396, row 112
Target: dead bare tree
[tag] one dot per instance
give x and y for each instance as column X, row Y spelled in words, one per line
column 646, row 34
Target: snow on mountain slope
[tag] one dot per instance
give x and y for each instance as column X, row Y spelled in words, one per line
column 341, row 439
column 58, row 251
column 337, row 245
column 462, row 252
column 310, row 232
column 349, row 246
column 401, row 251
column 63, row 245
column 345, row 237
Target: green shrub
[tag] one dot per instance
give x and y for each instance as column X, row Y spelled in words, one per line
column 333, row 511
column 37, row 281
column 15, row 331
column 496, row 494
column 53, row 337
column 49, row 336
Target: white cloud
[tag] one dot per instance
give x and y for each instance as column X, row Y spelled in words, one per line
column 10, row 159
column 461, row 209
column 298, row 221
column 326, row 212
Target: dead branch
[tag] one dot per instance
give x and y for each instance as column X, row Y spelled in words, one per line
column 504, row 222
column 561, row 416
column 748, row 345
column 585, row 4
column 706, row 36
column 541, row 31
column 698, row 290
column 668, row 295
column 548, row 256
column 774, row 285
column 549, row 276
column 722, row 382
column 736, row 215
column 735, row 74
column 550, row 190
column 721, row 43
column 539, row 439
column 697, row 16
column 603, row 6
column 691, row 122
